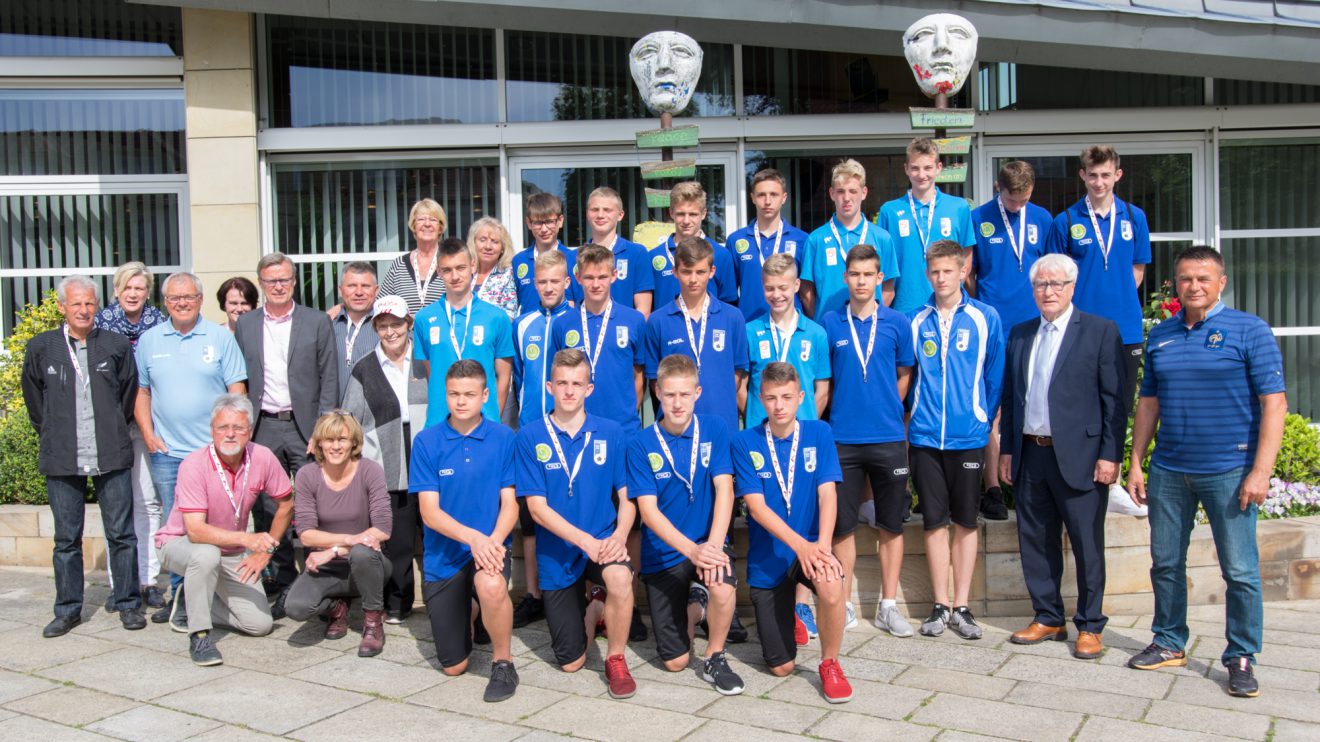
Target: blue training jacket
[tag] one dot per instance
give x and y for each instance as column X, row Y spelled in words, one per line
column 955, row 390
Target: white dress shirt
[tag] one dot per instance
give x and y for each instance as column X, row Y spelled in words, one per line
column 398, row 378
column 1060, row 327
column 275, row 334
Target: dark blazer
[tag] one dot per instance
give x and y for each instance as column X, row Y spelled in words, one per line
column 49, row 384
column 313, row 364
column 1087, row 418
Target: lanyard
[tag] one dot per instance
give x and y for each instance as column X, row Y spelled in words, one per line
column 467, row 324
column 866, row 228
column 669, row 456
column 73, row 358
column 237, row 504
column 350, row 339
column 1105, row 244
column 594, row 355
column 781, row 347
column 1019, row 242
column 423, row 281
column 559, row 451
column 870, row 344
column 930, row 218
column 698, row 344
column 545, row 348
column 785, row 488
column 779, row 234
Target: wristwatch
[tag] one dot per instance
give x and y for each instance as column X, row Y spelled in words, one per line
column 334, row 550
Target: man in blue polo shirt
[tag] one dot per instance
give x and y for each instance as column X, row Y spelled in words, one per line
column 823, row 287
column 462, row 475
column 681, row 479
column 687, row 207
column 703, row 328
column 871, row 363
column 611, row 337
column 786, row 471
column 1110, row 241
column 784, row 334
column 544, row 219
column 570, row 469
column 770, row 234
column 633, row 280
column 919, row 218
column 459, row 325
column 1214, row 384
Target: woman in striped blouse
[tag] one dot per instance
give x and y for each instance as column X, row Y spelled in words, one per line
column 415, row 276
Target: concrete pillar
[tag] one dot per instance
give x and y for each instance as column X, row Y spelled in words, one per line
column 219, row 81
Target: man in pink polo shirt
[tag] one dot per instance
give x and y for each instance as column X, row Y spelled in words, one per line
column 206, row 538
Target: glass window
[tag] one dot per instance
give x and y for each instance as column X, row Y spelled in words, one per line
column 91, row 132
column 1026, row 87
column 574, row 77
column 350, row 73
column 1269, row 184
column 1301, row 357
column 88, row 28
column 779, row 81
column 1256, row 93
column 1274, row 278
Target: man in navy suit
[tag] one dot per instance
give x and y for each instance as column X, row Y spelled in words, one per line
column 1061, row 435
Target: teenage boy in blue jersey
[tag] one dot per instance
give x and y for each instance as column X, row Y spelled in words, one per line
column 458, row 326
column 467, row 520
column 544, row 220
column 632, row 281
column 1011, row 233
column 919, row 218
column 823, row 287
column 959, row 348
column 681, row 479
column 687, row 208
column 871, row 368
column 703, row 328
column 769, row 235
column 571, row 469
column 787, row 472
column 1110, row 241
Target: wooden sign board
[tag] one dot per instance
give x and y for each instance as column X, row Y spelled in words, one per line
column 669, row 169
column 943, row 118
column 678, row 136
column 954, row 145
column 955, row 172
column 657, row 198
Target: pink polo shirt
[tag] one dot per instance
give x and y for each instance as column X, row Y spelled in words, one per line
column 199, row 491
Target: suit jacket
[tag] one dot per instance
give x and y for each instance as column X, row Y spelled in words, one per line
column 313, row 364
column 1087, row 417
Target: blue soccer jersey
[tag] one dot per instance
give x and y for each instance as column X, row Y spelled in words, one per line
column 750, row 248
column 616, row 341
column 632, row 271
column 1105, row 284
column 524, row 276
column 666, row 283
column 807, row 349
column 443, row 335
column 865, row 354
column 827, row 253
column 1007, row 245
column 914, row 227
column 718, row 344
column 531, row 342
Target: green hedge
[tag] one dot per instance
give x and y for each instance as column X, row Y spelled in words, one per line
column 20, row 482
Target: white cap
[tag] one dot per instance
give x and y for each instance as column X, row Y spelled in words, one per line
column 394, row 305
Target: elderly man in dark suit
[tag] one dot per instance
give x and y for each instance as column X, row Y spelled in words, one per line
column 1062, row 435
column 293, row 378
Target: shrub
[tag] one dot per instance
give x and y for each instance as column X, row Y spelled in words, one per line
column 21, row 482
column 1299, row 455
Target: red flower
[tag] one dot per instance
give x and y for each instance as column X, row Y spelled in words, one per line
column 1171, row 306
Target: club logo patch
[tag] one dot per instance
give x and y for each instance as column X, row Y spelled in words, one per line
column 621, row 337
column 533, row 352
column 705, row 454
column 435, row 336
column 946, row 226
column 572, row 338
column 764, row 346
column 964, row 339
column 928, row 348
column 1126, row 227
column 987, row 229
column 621, row 268
column 1033, row 234
column 1214, row 340
column 758, row 461
column 542, row 452
column 208, row 354
column 598, row 452
column 904, row 228
column 478, row 335
column 806, row 351
column 741, row 246
column 522, row 271
column 717, row 340
column 658, row 262
column 830, row 257
column 1077, row 232
column 657, row 463
column 790, row 247
column 809, row 458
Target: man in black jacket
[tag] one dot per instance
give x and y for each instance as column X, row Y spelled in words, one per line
column 79, row 385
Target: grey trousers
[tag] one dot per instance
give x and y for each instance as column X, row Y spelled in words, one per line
column 363, row 574
column 213, row 591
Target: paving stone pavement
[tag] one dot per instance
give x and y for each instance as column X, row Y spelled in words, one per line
column 101, row 682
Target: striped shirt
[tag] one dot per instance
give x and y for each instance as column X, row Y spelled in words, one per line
column 401, row 280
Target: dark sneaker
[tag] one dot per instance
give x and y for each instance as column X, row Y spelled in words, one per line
column 833, row 684
column 717, row 672
column 935, row 623
column 277, row 608
column 60, row 626
column 162, row 615
column 964, row 623
column 132, row 619
column 503, row 680
column 621, row 683
column 992, row 505
column 637, row 631
column 737, row 632
column 152, row 597
column 203, row 651
column 528, row 610
column 479, row 634
column 1155, row 656
column 179, row 612
column 1241, row 678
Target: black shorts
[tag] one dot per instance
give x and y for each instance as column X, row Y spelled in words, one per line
column 449, row 606
column 774, row 610
column 886, row 466
column 667, row 595
column 566, row 609
column 1132, row 355
column 948, row 486
column 526, row 524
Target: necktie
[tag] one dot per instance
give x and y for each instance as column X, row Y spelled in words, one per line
column 1038, row 392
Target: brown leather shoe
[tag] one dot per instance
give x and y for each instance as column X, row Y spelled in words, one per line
column 1036, row 633
column 373, row 634
column 1089, row 646
column 337, row 625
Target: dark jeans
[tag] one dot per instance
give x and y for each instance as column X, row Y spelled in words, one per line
column 363, row 574
column 114, row 492
column 165, row 477
column 288, row 445
column 400, row 549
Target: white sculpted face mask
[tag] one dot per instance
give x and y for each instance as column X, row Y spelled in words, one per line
column 666, row 65
column 940, row 49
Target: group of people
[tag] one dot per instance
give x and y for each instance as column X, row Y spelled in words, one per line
column 798, row 378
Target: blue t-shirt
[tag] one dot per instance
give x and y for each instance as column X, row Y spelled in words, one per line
column 723, row 350
column 769, row 559
column 1209, row 381
column 952, row 220
column 632, row 272
column 185, row 373
column 748, row 259
column 865, row 408
column 524, row 276
column 808, row 350
column 468, row 471
column 615, row 394
column 1106, row 288
column 531, row 341
column 601, row 446
column 1002, row 279
column 825, row 261
column 482, row 331
column 666, row 283
column 650, row 474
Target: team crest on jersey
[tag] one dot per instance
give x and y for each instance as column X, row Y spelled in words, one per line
column 598, row 452
column 904, row 228
column 522, row 271
column 928, row 348
column 478, row 335
column 741, row 246
column 571, row 338
column 758, row 460
column 1214, row 340
column 790, row 247
column 621, row 268
column 208, row 354
column 542, row 452
column 658, row 262
column 657, row 463
column 1077, row 232
column 765, row 349
column 946, row 226
column 830, row 257
column 1033, row 234
column 1126, row 227
column 964, row 339
column 705, row 454
column 533, row 352
column 987, row 229
column 621, row 336
column 717, row 340
column 809, row 458
column 435, row 334
column 806, row 351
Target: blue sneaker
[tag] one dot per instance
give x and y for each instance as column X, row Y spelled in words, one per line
column 804, row 615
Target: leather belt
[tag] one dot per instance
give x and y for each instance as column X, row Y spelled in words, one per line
column 1041, row 440
column 286, row 415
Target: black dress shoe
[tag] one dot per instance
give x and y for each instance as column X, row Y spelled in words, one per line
column 60, row 626
column 277, row 609
column 162, row 615
column 132, row 619
column 152, row 597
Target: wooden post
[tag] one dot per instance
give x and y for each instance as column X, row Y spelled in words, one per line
column 941, row 101
column 666, row 122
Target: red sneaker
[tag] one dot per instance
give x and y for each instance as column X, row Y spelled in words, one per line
column 800, row 636
column 598, row 594
column 620, row 680
column 833, row 684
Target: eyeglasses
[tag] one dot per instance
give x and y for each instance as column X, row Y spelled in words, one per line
column 277, row 281
column 227, row 429
column 1049, row 285
column 426, row 220
column 182, row 299
column 545, row 223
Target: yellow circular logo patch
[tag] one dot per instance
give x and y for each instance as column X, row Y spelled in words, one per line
column 522, row 271
column 987, row 229
column 657, row 463
column 928, row 348
column 658, row 262
column 758, row 460
column 542, row 453
column 741, row 246
column 1077, row 231
column 533, row 352
column 571, row 338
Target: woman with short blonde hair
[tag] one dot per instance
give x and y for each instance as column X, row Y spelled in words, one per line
column 492, row 264
column 415, row 276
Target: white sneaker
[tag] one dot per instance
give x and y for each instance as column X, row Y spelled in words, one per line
column 892, row 620
column 849, row 617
